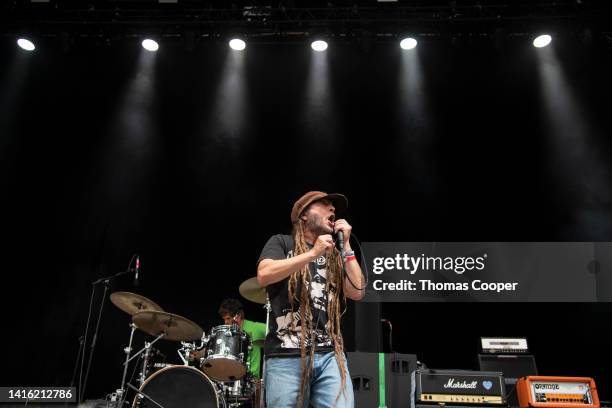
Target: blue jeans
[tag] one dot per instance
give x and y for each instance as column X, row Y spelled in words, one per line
column 284, row 375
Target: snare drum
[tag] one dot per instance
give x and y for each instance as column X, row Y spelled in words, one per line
column 227, row 353
column 180, row 387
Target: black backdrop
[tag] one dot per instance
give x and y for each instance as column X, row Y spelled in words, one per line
column 195, row 182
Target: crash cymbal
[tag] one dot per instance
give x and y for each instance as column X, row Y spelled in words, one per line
column 177, row 328
column 131, row 303
column 251, row 290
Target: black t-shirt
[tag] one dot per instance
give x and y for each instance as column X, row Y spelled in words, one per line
column 281, row 340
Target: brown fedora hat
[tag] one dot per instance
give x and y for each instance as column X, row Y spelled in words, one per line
column 338, row 200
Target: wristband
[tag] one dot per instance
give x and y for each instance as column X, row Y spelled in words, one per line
column 350, row 258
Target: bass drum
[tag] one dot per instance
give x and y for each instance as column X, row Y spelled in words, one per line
column 180, row 387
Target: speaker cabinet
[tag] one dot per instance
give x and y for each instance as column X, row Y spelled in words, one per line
column 365, row 375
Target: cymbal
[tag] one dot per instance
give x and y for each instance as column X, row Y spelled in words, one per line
column 251, row 290
column 177, row 328
column 131, row 303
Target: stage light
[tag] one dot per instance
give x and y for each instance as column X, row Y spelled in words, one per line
column 542, row 41
column 26, row 44
column 408, row 43
column 319, row 104
column 150, row 45
column 319, row 45
column 237, row 44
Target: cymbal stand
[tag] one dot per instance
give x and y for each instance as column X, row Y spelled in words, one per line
column 268, row 308
column 147, row 345
column 146, row 348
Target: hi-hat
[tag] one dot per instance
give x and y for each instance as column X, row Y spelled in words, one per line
column 177, row 328
column 131, row 303
column 251, row 290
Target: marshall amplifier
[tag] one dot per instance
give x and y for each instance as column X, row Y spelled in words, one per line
column 458, row 388
column 549, row 392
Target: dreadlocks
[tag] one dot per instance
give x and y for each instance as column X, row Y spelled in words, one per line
column 299, row 281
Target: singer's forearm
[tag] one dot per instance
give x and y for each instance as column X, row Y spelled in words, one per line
column 353, row 271
column 271, row 271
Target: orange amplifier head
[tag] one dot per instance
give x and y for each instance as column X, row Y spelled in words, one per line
column 557, row 392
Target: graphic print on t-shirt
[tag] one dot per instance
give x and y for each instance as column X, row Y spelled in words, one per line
column 318, row 297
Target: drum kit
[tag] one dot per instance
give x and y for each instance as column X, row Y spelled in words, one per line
column 214, row 370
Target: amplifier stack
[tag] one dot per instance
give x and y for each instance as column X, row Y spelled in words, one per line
column 507, row 379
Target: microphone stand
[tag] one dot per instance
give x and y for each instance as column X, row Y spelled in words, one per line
column 106, row 280
column 76, row 365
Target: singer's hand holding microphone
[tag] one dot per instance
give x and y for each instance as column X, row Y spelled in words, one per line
column 342, row 226
column 325, row 242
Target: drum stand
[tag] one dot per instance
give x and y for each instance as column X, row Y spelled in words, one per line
column 185, row 351
column 187, row 348
column 145, row 364
column 268, row 308
column 121, row 391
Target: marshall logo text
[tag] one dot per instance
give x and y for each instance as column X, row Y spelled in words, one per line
column 457, row 384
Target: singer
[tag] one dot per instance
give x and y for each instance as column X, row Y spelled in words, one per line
column 307, row 287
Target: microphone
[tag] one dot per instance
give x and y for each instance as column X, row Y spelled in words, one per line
column 137, row 269
column 340, row 235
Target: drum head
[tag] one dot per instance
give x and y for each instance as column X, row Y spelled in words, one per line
column 224, row 368
column 233, row 328
column 179, row 387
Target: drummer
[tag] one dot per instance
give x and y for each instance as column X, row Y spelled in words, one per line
column 232, row 311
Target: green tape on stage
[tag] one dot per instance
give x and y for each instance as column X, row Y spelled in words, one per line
column 381, row 381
